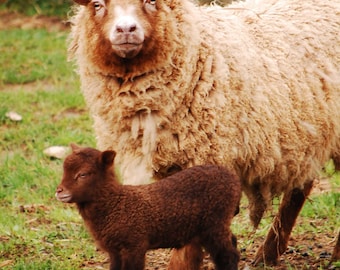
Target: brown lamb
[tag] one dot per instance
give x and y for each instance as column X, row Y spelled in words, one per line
column 194, row 205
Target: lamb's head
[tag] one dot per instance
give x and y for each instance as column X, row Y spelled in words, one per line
column 85, row 171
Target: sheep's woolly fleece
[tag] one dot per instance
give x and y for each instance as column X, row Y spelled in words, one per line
column 254, row 86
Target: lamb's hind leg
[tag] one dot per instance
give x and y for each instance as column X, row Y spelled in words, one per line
column 278, row 236
column 224, row 253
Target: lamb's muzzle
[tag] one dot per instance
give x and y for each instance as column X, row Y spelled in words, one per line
column 62, row 196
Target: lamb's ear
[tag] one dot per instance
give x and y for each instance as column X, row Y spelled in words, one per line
column 74, row 147
column 82, row 2
column 107, row 158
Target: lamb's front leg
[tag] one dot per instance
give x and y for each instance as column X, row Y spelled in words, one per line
column 133, row 259
column 115, row 261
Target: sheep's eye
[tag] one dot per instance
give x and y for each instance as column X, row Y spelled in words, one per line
column 150, row 5
column 97, row 6
column 150, row 2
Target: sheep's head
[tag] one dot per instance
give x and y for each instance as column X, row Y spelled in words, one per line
column 127, row 38
column 126, row 25
column 85, row 169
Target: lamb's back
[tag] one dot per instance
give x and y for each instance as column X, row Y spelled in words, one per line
column 189, row 202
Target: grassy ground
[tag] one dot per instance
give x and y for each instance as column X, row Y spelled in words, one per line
column 38, row 232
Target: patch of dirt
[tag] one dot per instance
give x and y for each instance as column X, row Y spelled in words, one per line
column 305, row 252
column 12, row 20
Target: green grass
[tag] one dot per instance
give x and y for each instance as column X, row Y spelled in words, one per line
column 38, row 7
column 37, row 231
column 24, row 59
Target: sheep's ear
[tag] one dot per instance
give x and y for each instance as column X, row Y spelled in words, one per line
column 107, row 158
column 82, row 2
column 74, row 147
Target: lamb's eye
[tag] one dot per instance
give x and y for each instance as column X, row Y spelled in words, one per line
column 83, row 175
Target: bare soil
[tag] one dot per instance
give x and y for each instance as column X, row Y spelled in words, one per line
column 11, row 20
column 307, row 251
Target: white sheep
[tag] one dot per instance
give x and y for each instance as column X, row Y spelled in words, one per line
column 254, row 87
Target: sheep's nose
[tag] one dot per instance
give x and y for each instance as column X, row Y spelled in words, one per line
column 126, row 24
column 126, row 28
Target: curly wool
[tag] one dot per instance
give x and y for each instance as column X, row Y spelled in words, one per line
column 254, row 87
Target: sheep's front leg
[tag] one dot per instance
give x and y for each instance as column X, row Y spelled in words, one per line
column 278, row 236
column 188, row 257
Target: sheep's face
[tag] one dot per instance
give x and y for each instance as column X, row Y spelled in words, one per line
column 85, row 170
column 126, row 25
column 127, row 38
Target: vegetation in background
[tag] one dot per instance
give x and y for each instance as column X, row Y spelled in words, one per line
column 61, row 7
column 38, row 7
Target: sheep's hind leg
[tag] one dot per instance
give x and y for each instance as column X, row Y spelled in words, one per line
column 278, row 236
column 336, row 251
column 188, row 257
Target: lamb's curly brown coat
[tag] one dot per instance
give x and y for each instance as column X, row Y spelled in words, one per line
column 196, row 204
column 254, row 87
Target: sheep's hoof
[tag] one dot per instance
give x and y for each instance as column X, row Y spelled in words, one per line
column 187, row 258
column 269, row 258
